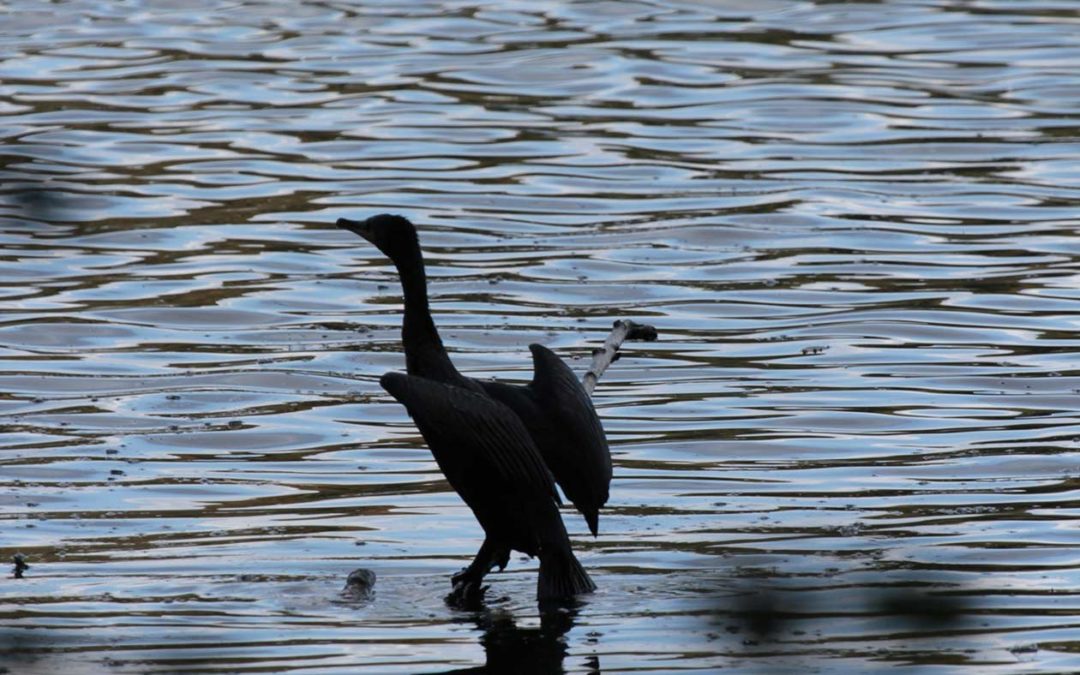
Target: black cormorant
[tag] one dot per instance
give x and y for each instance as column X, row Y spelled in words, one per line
column 554, row 406
column 490, row 459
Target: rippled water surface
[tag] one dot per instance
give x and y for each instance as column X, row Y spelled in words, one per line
column 854, row 446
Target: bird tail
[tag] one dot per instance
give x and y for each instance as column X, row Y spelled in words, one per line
column 561, row 576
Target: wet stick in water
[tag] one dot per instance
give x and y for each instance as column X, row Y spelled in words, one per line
column 603, row 357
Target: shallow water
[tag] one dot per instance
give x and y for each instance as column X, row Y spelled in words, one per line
column 853, row 447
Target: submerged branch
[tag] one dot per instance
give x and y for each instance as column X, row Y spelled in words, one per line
column 603, row 357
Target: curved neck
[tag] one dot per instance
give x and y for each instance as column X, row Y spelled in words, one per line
column 425, row 355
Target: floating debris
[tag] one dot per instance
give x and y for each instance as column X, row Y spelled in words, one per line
column 20, row 565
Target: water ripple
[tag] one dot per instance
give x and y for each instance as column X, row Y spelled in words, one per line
column 853, row 224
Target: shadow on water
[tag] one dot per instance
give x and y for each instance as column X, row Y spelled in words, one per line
column 21, row 650
column 29, row 196
column 764, row 612
column 901, row 619
column 509, row 648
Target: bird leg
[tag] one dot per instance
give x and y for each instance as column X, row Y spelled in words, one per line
column 603, row 357
column 467, row 588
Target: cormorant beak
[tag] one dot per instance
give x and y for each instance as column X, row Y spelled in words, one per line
column 359, row 227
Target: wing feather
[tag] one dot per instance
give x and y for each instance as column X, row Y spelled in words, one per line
column 483, row 435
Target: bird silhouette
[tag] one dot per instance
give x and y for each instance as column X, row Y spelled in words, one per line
column 490, row 460
column 554, row 407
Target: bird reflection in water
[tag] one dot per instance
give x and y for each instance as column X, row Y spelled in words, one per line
column 511, row 649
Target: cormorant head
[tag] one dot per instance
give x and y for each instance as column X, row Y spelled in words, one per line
column 394, row 235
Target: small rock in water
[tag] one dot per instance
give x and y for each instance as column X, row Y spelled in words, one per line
column 361, row 583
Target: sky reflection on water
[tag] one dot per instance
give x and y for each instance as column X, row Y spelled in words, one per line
column 853, row 223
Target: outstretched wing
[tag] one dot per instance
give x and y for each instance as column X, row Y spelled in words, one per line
column 564, row 398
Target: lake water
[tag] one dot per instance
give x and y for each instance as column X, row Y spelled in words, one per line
column 854, row 446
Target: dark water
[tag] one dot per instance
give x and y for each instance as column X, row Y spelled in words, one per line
column 854, row 447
